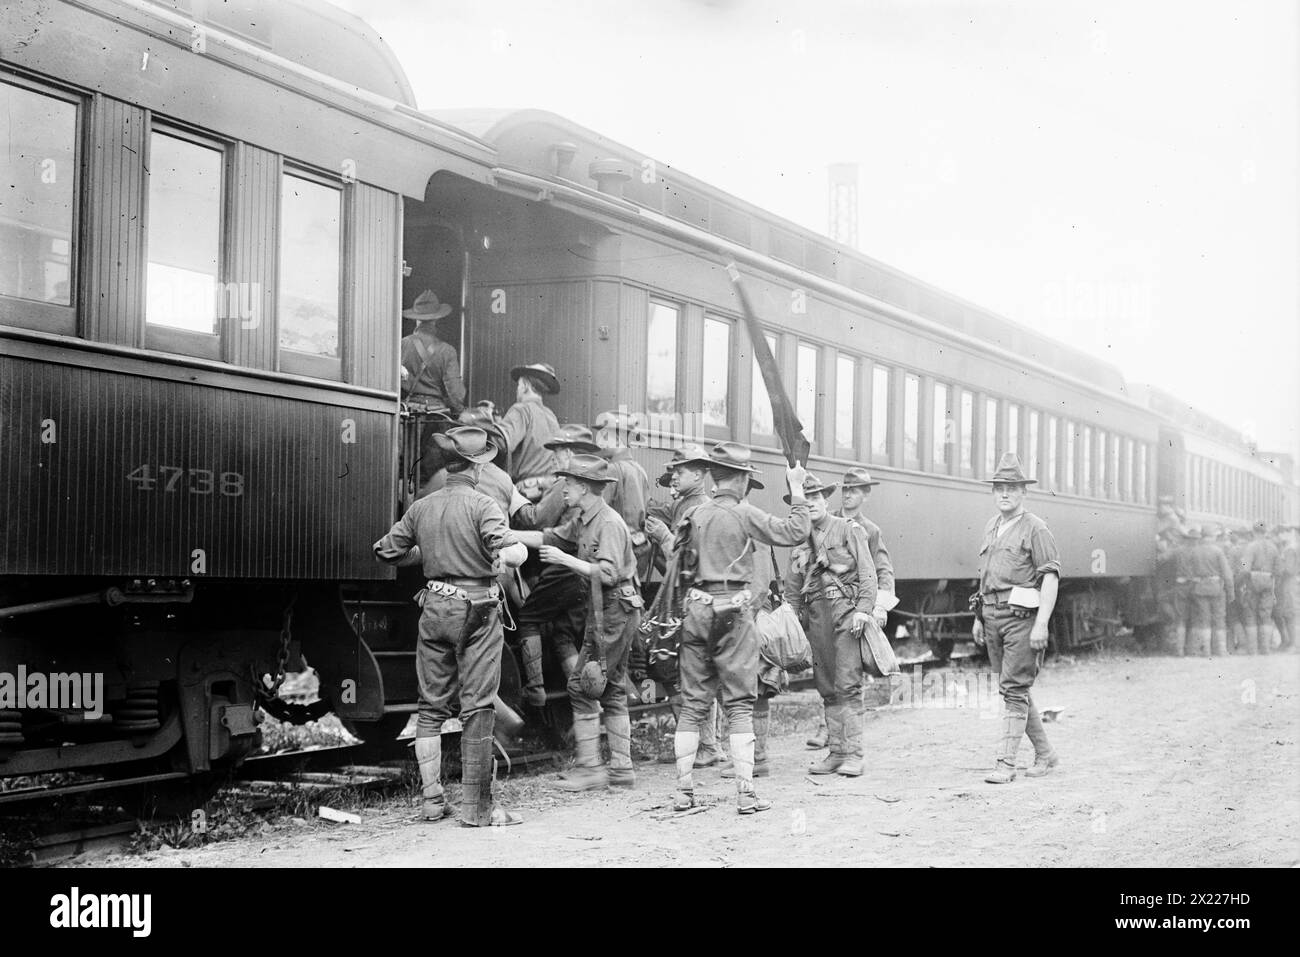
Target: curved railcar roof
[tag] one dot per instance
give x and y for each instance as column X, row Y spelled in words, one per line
column 313, row 33
column 525, row 140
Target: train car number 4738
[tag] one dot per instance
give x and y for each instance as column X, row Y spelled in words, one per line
column 168, row 478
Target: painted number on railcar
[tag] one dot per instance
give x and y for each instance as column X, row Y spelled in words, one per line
column 171, row 478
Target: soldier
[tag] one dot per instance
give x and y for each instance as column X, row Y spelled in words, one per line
column 461, row 539
column 854, row 489
column 631, row 490
column 1182, row 597
column 604, row 556
column 686, row 476
column 1019, row 576
column 430, row 367
column 528, row 426
column 833, row 573
column 1259, row 563
column 1288, row 587
column 719, row 645
column 1236, row 623
column 493, row 481
column 1211, row 583
column 558, row 597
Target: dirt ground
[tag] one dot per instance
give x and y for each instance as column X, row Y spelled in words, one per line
column 1164, row 762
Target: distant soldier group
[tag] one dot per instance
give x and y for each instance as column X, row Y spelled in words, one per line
column 569, row 508
column 1226, row 591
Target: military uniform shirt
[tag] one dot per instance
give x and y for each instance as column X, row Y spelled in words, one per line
column 628, row 494
column 549, row 510
column 671, row 514
column 459, row 530
column 528, row 425
column 1020, row 556
column 597, row 534
column 1208, row 561
column 848, row 554
column 439, row 382
column 879, row 553
column 726, row 528
column 1260, row 556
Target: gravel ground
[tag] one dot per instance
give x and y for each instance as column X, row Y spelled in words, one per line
column 1176, row 762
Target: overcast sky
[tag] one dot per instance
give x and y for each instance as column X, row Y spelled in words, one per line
column 1122, row 175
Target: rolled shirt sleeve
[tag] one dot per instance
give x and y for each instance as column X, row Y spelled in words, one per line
column 1042, row 548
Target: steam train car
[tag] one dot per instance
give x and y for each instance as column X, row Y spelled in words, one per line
column 611, row 264
column 1215, row 475
column 200, row 278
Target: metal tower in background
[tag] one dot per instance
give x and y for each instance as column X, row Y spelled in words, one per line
column 842, row 180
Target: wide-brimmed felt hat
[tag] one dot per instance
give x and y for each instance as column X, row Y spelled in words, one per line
column 811, row 486
column 482, row 419
column 620, row 420
column 573, row 436
column 690, row 453
column 1009, row 472
column 1192, row 532
column 588, row 468
column 543, row 372
column 736, row 457
column 858, row 478
column 427, row 307
column 468, row 442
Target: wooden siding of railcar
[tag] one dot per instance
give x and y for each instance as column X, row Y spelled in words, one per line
column 935, row 517
column 311, row 503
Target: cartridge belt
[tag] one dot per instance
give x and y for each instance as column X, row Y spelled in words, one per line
column 452, row 587
column 998, row 597
column 725, row 585
column 736, row 600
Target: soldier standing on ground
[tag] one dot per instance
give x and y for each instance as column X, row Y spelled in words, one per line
column 1019, row 571
column 719, row 644
column 1259, row 564
column 595, row 544
column 833, row 575
column 460, row 538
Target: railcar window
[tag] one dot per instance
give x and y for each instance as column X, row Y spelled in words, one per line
column 1086, row 485
column 806, row 389
column 1141, row 472
column 846, row 405
column 943, row 427
column 1031, row 458
column 880, row 403
column 911, row 421
column 990, row 436
column 183, row 233
column 661, row 360
column 761, row 421
column 1102, row 488
column 1013, row 429
column 38, row 176
column 1128, row 470
column 717, row 372
column 1112, row 473
column 1071, row 440
column 310, row 266
column 967, row 431
column 1052, row 479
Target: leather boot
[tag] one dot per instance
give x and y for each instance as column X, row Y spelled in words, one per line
column 685, row 744
column 834, row 740
column 762, row 723
column 530, row 643
column 476, row 807
column 1219, row 642
column 742, row 754
column 1013, row 729
column 1252, row 639
column 428, row 754
column 588, row 772
column 1198, row 644
column 1180, row 641
column 1044, row 757
column 851, row 763
column 618, row 730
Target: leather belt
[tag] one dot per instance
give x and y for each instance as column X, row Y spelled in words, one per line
column 999, row 597
column 466, row 582
column 737, row 600
column 723, row 585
